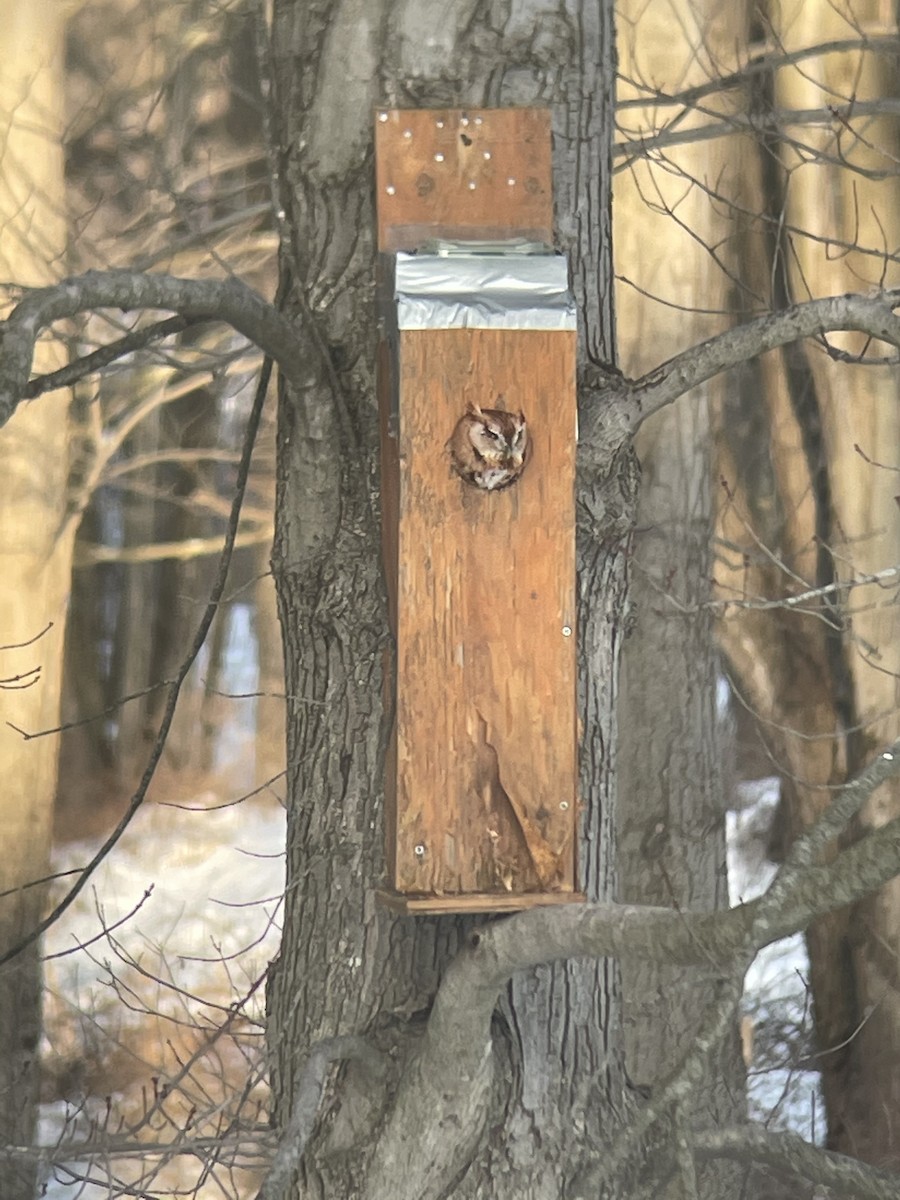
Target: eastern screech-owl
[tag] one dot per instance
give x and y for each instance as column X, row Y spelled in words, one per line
column 489, row 448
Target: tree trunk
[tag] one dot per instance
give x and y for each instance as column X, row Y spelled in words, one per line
column 861, row 1063
column 671, row 784
column 825, row 506
column 346, row 965
column 35, row 562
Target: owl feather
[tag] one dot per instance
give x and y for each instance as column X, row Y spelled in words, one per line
column 489, row 448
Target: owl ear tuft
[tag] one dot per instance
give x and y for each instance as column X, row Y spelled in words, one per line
column 475, row 409
column 522, row 417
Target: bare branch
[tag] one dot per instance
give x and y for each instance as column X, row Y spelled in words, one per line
column 788, row 1152
column 89, row 554
column 30, row 641
column 450, row 1074
column 193, row 299
column 729, row 606
column 759, row 124
column 104, row 355
column 762, row 64
column 174, row 688
column 873, row 315
column 151, row 458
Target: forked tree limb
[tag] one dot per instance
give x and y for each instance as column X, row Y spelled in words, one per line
column 442, row 1096
column 104, row 356
column 194, row 299
column 613, row 408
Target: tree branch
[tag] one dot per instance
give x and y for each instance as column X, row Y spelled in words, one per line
column 751, row 1144
column 173, row 688
column 636, row 400
column 104, row 355
column 774, row 121
column 89, row 554
column 759, row 64
column 193, row 299
column 450, row 1075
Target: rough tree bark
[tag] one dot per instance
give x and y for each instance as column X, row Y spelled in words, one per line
column 347, row 967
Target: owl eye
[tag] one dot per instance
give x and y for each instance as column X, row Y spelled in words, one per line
column 491, row 433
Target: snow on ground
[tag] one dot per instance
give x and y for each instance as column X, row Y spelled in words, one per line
column 776, row 998
column 214, row 877
column 191, row 903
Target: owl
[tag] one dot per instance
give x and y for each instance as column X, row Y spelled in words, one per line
column 489, row 448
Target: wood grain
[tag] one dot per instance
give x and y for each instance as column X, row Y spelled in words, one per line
column 487, row 902
column 462, row 173
column 485, row 622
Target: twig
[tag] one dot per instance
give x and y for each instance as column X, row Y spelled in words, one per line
column 174, row 687
column 105, row 355
column 192, row 299
column 640, row 398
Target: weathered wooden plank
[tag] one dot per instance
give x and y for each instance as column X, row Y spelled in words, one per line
column 462, row 173
column 485, row 611
column 476, row 903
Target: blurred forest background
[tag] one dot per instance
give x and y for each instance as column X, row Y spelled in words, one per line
column 756, row 165
column 133, row 136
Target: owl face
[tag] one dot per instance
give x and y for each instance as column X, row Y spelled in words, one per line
column 489, row 448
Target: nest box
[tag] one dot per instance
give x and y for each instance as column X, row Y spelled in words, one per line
column 478, row 427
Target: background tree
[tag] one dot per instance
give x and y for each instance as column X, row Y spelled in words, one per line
column 673, row 774
column 35, row 551
column 133, row 471
column 165, row 93
column 812, row 506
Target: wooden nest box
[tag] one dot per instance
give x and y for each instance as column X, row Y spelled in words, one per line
column 478, row 426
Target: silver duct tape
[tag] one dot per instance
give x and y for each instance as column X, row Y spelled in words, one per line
column 483, row 291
